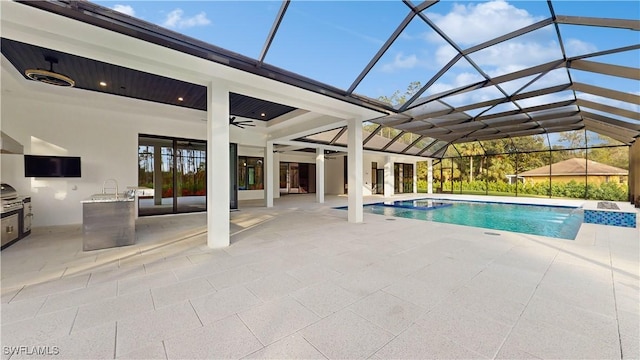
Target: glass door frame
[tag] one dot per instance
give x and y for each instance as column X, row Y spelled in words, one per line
column 174, row 178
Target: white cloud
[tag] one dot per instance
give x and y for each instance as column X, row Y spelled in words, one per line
column 578, row 47
column 515, row 55
column 400, row 61
column 444, row 54
column 125, row 9
column 176, row 19
column 476, row 23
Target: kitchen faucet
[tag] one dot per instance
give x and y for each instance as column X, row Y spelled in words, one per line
column 104, row 188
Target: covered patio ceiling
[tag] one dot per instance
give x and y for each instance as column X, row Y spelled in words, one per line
column 583, row 75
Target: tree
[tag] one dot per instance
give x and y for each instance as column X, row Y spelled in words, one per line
column 470, row 149
column 615, row 156
column 398, row 98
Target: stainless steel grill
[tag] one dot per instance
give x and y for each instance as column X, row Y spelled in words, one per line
column 10, row 199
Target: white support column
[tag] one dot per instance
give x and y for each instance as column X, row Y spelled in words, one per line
column 320, row 175
column 388, row 177
column 430, row 177
column 268, row 176
column 415, row 177
column 354, row 170
column 218, row 184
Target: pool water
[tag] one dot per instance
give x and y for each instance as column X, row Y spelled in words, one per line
column 552, row 221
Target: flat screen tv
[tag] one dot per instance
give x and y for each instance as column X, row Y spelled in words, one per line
column 51, row 166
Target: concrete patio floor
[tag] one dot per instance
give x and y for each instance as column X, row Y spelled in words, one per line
column 300, row 282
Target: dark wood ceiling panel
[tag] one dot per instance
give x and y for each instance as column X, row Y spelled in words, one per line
column 256, row 108
column 122, row 81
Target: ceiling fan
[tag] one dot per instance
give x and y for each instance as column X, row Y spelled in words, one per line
column 49, row 76
column 241, row 124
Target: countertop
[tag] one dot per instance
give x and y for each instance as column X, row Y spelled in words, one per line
column 103, row 198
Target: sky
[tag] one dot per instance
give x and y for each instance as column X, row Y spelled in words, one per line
column 332, row 41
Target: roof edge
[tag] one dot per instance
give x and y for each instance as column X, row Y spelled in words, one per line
column 112, row 20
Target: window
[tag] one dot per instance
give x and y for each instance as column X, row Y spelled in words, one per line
column 250, row 173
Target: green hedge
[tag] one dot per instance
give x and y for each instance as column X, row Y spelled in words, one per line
column 572, row 189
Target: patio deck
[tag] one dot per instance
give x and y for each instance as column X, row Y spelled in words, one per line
column 299, row 281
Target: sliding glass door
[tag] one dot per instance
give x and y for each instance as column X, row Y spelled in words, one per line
column 172, row 175
column 403, row 178
column 156, row 174
column 297, row 178
column 191, row 176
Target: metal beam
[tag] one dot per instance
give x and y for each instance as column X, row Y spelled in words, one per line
column 426, row 126
column 600, row 22
column 382, row 50
column 528, row 110
column 610, row 109
column 558, row 115
column 431, row 81
column 497, row 80
column 606, row 52
column 622, row 136
column 608, row 93
column 396, row 138
column 494, row 102
column 420, row 137
column 373, row 133
column 610, row 121
column 620, row 131
column 272, row 32
column 606, row 69
column 540, row 92
column 335, row 138
column 511, row 35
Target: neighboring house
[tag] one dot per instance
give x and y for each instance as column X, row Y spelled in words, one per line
column 576, row 169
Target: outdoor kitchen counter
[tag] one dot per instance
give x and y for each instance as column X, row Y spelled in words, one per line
column 101, row 198
column 108, row 221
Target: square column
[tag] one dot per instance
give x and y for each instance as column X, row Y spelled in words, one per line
column 430, row 177
column 320, row 175
column 218, row 172
column 354, row 170
column 269, row 174
column 388, row 177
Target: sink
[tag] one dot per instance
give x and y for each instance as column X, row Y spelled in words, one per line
column 103, row 196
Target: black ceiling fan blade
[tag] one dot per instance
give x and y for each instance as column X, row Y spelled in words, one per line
column 241, row 124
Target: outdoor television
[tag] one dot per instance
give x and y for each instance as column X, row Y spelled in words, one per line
column 51, row 166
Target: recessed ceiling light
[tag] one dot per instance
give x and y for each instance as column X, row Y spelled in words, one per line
column 102, row 83
column 263, row 114
column 180, row 99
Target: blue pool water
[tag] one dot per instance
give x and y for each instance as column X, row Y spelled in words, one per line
column 553, row 221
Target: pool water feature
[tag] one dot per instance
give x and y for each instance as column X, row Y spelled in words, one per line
column 561, row 222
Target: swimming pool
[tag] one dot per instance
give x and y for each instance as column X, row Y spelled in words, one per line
column 554, row 221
